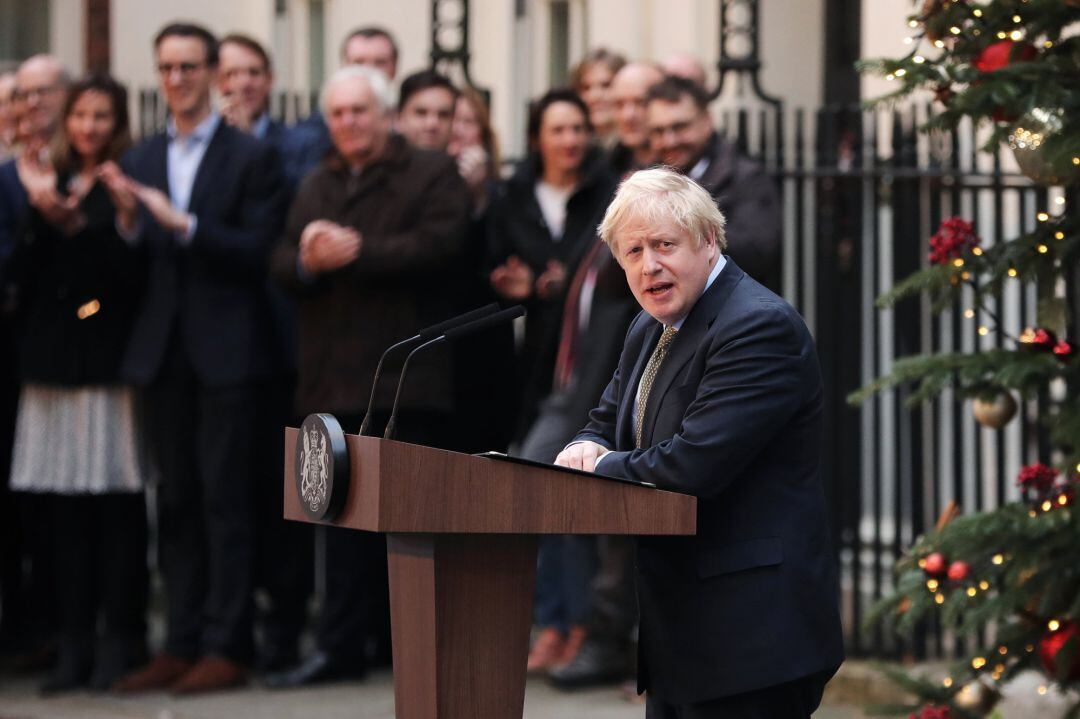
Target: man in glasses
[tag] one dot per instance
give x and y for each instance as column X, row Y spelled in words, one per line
column 682, row 136
column 205, row 200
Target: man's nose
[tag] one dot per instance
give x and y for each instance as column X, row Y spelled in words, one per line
column 650, row 262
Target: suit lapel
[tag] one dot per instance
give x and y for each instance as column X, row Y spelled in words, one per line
column 686, row 342
column 209, row 167
column 157, row 172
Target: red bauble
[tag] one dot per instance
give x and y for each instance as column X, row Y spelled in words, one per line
column 959, row 571
column 1049, row 647
column 934, row 564
column 1038, row 338
column 996, row 56
column 1064, row 350
column 930, row 711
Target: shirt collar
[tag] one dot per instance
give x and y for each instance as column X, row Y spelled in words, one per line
column 202, row 132
column 720, row 262
column 261, row 125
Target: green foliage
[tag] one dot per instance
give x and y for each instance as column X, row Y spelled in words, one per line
column 946, row 47
column 1022, row 556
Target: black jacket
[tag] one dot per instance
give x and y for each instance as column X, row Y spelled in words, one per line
column 734, row 418
column 516, row 227
column 747, row 196
column 78, row 296
column 213, row 293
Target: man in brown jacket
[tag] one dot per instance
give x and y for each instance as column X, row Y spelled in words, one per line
column 366, row 249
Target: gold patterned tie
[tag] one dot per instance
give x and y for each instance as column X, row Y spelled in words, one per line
column 647, row 378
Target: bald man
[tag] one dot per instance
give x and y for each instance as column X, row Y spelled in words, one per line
column 629, row 89
column 37, row 96
column 685, row 65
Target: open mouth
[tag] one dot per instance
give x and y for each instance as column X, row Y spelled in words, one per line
column 658, row 289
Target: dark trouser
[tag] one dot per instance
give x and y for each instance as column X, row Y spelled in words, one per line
column 203, row 442
column 29, row 609
column 356, row 606
column 589, row 580
column 614, row 611
column 100, row 567
column 283, row 568
column 793, row 700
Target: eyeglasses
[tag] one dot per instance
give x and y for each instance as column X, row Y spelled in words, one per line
column 36, row 93
column 676, row 128
column 184, row 68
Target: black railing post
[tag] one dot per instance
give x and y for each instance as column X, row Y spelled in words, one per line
column 451, row 17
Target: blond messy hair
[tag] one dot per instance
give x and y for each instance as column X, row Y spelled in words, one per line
column 662, row 194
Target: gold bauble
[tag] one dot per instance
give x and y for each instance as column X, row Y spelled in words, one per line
column 1027, row 142
column 995, row 413
column 977, row 697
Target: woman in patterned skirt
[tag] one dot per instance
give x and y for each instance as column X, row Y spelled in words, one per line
column 76, row 442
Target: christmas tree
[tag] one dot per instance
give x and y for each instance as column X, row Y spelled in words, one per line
column 1008, row 578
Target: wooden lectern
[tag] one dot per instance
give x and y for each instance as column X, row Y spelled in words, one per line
column 461, row 545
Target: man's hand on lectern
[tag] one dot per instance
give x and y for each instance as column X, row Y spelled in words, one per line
column 581, row 455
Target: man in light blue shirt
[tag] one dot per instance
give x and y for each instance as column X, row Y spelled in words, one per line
column 205, row 201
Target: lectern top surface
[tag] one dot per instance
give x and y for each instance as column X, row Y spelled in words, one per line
column 545, row 465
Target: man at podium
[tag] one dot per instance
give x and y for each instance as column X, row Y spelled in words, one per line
column 717, row 394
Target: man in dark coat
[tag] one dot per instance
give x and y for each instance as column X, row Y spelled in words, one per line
column 365, row 251
column 682, row 136
column 718, row 394
column 283, row 567
column 206, row 200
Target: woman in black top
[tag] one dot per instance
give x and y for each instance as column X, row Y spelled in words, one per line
column 539, row 228
column 76, row 439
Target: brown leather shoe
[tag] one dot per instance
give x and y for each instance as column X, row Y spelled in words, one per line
column 158, row 674
column 574, row 639
column 546, row 651
column 211, row 674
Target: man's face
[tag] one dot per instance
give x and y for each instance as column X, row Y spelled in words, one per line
column 678, row 132
column 375, row 51
column 244, row 79
column 39, row 95
column 358, row 126
column 427, row 118
column 628, row 92
column 665, row 267
column 184, row 74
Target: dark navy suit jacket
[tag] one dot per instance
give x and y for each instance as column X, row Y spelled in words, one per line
column 13, row 209
column 734, row 418
column 213, row 292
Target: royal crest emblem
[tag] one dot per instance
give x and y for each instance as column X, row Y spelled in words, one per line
column 314, row 469
column 321, row 466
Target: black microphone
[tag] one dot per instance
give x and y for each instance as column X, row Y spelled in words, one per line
column 423, row 335
column 453, row 334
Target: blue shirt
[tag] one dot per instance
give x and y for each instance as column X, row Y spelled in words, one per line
column 185, row 154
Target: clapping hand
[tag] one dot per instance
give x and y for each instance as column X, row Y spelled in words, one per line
column 472, row 166
column 513, row 279
column 550, row 283
column 127, row 193
column 121, row 189
column 38, row 177
column 235, row 113
column 327, row 246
